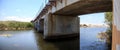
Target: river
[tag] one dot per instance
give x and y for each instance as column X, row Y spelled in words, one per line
column 30, row 40
column 90, row 41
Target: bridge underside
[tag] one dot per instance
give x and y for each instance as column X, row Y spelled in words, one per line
column 86, row 7
column 65, row 21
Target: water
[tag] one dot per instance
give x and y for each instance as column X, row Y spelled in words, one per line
column 89, row 40
column 30, row 40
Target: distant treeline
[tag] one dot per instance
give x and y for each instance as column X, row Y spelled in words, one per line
column 83, row 25
column 15, row 25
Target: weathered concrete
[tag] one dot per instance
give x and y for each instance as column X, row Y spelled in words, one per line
column 34, row 25
column 57, row 25
column 41, row 25
column 60, row 16
column 76, row 7
column 80, row 7
column 37, row 26
column 116, row 25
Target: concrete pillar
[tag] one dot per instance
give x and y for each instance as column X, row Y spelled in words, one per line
column 35, row 25
column 116, row 25
column 57, row 26
column 41, row 25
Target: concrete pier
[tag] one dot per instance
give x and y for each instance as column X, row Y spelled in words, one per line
column 60, row 26
column 41, row 25
column 60, row 16
column 116, row 25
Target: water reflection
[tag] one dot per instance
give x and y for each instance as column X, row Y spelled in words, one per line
column 89, row 39
column 58, row 44
column 19, row 40
column 29, row 40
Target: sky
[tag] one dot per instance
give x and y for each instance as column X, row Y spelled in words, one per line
column 95, row 18
column 20, row 10
column 27, row 10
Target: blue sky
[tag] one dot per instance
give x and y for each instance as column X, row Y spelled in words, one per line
column 21, row 10
column 95, row 18
column 26, row 10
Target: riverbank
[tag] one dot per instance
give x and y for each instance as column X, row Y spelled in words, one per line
column 94, row 25
column 14, row 29
column 15, row 25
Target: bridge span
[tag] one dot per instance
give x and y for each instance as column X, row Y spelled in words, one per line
column 59, row 18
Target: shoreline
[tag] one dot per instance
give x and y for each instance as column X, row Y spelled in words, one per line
column 15, row 29
column 95, row 27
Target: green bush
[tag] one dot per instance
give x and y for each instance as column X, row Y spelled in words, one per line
column 108, row 20
column 15, row 24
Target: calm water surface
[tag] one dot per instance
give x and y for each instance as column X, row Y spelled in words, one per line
column 89, row 40
column 29, row 40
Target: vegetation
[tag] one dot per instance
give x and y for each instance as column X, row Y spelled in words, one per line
column 15, row 25
column 108, row 34
column 108, row 20
column 83, row 25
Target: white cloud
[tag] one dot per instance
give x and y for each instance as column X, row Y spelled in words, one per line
column 17, row 18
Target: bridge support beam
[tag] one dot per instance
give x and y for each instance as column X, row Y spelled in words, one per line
column 57, row 26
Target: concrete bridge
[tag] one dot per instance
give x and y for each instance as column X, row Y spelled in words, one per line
column 59, row 18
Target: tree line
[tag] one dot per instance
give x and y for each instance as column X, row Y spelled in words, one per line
column 15, row 25
column 108, row 20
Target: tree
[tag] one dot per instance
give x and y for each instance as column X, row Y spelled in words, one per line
column 15, row 24
column 11, row 25
column 108, row 20
column 29, row 25
column 2, row 26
